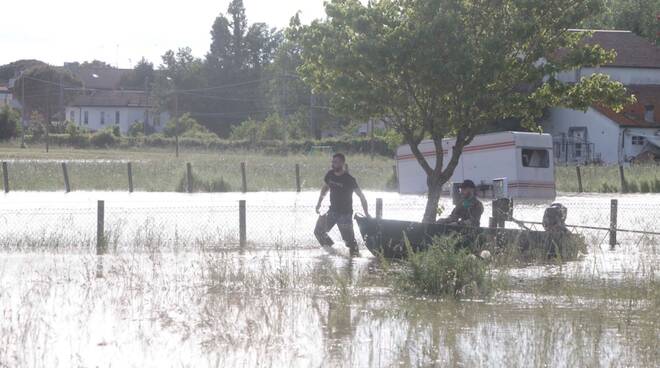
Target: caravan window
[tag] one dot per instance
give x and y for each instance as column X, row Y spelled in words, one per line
column 535, row 158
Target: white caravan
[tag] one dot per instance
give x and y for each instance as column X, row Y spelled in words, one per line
column 505, row 164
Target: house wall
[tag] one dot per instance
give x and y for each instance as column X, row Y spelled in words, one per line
column 127, row 117
column 624, row 75
column 631, row 150
column 601, row 131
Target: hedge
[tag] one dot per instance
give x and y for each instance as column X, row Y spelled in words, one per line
column 346, row 144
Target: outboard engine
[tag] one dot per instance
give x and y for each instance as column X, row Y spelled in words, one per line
column 554, row 217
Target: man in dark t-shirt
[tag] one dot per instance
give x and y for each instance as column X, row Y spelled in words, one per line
column 341, row 186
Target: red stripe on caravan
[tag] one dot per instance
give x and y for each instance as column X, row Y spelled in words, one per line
column 481, row 147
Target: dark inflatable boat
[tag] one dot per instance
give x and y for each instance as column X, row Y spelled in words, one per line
column 386, row 238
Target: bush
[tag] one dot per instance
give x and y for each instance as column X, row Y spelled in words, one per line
column 10, row 123
column 445, row 268
column 137, row 129
column 187, row 127
column 645, row 186
column 199, row 185
column 103, row 139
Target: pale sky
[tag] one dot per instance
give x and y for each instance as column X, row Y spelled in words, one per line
column 122, row 31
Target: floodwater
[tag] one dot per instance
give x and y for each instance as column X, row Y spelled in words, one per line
column 176, row 289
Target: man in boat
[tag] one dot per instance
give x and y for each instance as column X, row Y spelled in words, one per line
column 468, row 212
column 341, row 186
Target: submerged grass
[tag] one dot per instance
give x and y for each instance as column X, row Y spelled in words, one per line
column 605, row 179
column 160, row 170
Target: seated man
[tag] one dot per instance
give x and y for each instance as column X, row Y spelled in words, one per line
column 468, row 212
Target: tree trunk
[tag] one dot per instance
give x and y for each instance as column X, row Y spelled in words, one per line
column 432, row 200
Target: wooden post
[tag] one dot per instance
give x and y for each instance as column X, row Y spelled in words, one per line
column 5, row 177
column 65, row 172
column 243, row 178
column 624, row 185
column 189, row 178
column 100, row 236
column 579, row 178
column 297, row 178
column 130, row 178
column 613, row 222
column 379, row 208
column 242, row 223
column 396, row 177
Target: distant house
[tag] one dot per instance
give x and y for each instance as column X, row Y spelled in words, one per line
column 601, row 135
column 99, row 110
column 103, row 103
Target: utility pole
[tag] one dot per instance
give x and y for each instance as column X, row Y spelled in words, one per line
column 47, row 117
column 61, row 101
column 284, row 112
column 23, row 107
column 176, row 121
column 146, row 112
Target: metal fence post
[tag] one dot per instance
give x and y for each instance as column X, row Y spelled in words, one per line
column 579, row 178
column 5, row 177
column 243, row 178
column 100, row 236
column 622, row 177
column 242, row 222
column 130, row 178
column 297, row 178
column 189, row 177
column 379, row 208
column 65, row 172
column 613, row 222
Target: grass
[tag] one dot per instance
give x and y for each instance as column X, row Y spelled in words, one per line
column 159, row 170
column 605, row 179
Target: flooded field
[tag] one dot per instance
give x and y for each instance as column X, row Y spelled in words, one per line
column 176, row 289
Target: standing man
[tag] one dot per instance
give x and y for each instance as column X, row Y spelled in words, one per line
column 468, row 212
column 341, row 186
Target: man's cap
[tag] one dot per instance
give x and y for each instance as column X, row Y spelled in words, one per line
column 468, row 184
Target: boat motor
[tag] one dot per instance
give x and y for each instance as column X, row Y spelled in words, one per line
column 554, row 217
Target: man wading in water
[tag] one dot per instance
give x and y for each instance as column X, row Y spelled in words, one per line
column 341, row 185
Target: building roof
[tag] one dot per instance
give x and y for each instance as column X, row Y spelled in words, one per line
column 98, row 77
column 632, row 51
column 633, row 114
column 113, row 99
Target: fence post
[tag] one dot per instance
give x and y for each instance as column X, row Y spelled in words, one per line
column 579, row 178
column 242, row 222
column 5, row 177
column 379, row 208
column 297, row 178
column 614, row 204
column 100, row 236
column 622, row 177
column 243, row 178
column 130, row 178
column 189, row 178
column 65, row 172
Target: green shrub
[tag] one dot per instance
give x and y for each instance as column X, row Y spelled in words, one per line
column 445, row 268
column 608, row 188
column 103, row 139
column 10, row 123
column 656, row 185
column 645, row 186
column 632, row 187
column 215, row 185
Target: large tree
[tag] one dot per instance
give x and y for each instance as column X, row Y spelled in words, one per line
column 451, row 68
column 638, row 16
column 46, row 90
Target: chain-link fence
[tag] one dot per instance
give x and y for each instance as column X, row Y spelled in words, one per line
column 273, row 220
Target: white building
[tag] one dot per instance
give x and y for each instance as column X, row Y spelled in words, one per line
column 601, row 135
column 99, row 110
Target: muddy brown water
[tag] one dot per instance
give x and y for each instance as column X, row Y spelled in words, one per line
column 176, row 290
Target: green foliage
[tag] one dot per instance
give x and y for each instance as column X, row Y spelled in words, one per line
column 215, row 185
column 103, row 139
column 445, row 269
column 441, row 68
column 10, row 123
column 115, row 131
column 42, row 88
column 638, row 16
column 272, row 128
column 187, row 127
column 137, row 129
